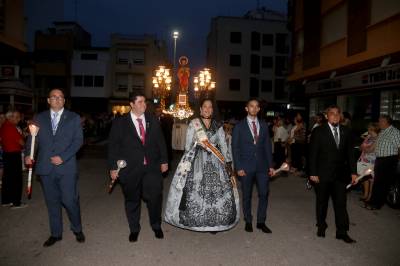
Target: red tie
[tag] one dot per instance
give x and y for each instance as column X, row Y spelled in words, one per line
column 255, row 131
column 142, row 135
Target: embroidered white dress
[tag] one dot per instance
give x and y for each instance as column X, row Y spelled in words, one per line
column 201, row 196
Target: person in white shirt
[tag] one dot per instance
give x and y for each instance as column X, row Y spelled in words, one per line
column 280, row 137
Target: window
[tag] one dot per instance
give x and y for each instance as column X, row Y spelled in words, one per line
column 268, row 39
column 266, row 85
column 254, row 87
column 138, row 82
column 234, row 84
column 78, row 81
column 280, row 89
column 122, row 82
column 236, row 37
column 85, row 56
column 255, row 41
column 88, row 81
column 282, row 43
column 255, row 64
column 267, row 62
column 381, row 10
column 138, row 57
column 281, row 65
column 99, row 81
column 334, row 25
column 122, row 57
column 235, row 60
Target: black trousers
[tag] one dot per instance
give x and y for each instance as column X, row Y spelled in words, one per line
column 385, row 171
column 279, row 154
column 337, row 191
column 146, row 185
column 298, row 150
column 11, row 190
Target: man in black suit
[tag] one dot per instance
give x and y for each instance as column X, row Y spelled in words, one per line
column 137, row 138
column 331, row 163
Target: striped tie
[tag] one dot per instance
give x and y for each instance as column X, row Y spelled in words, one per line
column 54, row 123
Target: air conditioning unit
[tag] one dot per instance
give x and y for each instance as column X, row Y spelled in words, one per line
column 9, row 72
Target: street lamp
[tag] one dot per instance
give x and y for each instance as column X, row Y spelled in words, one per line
column 203, row 83
column 162, row 84
column 175, row 35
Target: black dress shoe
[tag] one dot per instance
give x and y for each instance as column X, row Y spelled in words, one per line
column 248, row 227
column 158, row 233
column 264, row 228
column 321, row 232
column 133, row 237
column 346, row 238
column 80, row 237
column 51, row 241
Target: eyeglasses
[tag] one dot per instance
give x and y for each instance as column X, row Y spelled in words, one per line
column 54, row 98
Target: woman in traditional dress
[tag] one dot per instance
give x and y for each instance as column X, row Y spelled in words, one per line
column 202, row 195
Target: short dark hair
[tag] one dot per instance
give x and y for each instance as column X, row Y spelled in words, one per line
column 330, row 107
column 134, row 95
column 59, row 89
column 253, row 99
column 388, row 119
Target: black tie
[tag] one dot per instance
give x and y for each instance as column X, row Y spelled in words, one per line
column 336, row 135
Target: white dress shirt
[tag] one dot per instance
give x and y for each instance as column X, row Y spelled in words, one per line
column 333, row 132
column 136, row 123
column 59, row 113
column 250, row 123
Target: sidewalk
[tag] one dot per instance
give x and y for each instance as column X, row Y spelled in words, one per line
column 290, row 217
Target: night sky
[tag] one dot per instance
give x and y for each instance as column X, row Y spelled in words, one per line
column 103, row 17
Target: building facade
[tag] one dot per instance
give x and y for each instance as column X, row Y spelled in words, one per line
column 90, row 86
column 14, row 93
column 54, row 49
column 249, row 56
column 133, row 60
column 347, row 53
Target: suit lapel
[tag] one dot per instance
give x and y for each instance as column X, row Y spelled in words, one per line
column 148, row 125
column 132, row 127
column 248, row 130
column 62, row 121
column 342, row 136
column 48, row 122
column 331, row 137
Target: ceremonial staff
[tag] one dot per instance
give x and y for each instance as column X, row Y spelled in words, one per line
column 120, row 164
column 33, row 129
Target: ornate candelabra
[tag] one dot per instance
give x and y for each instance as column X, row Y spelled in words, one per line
column 162, row 84
column 203, row 86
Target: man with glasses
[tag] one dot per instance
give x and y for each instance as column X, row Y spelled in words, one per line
column 59, row 139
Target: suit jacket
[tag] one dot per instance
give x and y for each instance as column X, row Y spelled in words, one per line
column 65, row 143
column 248, row 156
column 326, row 160
column 125, row 144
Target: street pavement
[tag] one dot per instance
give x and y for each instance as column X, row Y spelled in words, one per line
column 290, row 216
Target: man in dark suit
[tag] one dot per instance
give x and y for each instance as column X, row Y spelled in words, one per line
column 252, row 154
column 59, row 139
column 137, row 138
column 331, row 163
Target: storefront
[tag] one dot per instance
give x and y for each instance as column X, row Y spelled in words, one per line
column 365, row 95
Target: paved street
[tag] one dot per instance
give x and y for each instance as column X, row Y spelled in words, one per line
column 290, row 216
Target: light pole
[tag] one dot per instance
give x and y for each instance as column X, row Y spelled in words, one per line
column 162, row 84
column 203, row 83
column 175, row 35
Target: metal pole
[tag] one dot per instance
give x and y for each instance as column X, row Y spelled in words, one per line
column 174, row 52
